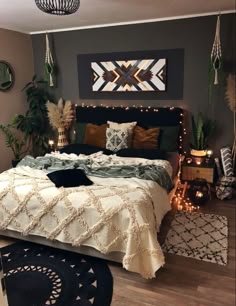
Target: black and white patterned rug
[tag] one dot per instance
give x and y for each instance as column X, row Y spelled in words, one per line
column 197, row 235
column 37, row 275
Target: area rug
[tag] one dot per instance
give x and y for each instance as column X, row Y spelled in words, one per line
column 37, row 275
column 197, row 235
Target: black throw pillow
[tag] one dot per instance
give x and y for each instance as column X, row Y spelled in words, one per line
column 69, row 178
column 80, row 148
column 142, row 153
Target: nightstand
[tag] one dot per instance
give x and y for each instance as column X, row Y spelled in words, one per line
column 192, row 171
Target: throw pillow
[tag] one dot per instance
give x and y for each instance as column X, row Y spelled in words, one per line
column 126, row 125
column 69, row 178
column 169, row 138
column 116, row 139
column 96, row 135
column 145, row 139
column 142, row 153
column 81, row 148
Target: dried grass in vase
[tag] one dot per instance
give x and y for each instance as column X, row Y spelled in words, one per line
column 60, row 116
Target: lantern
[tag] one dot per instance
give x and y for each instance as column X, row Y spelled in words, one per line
column 199, row 191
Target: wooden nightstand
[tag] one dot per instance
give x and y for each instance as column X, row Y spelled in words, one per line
column 192, row 171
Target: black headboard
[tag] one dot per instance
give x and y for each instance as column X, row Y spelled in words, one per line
column 145, row 116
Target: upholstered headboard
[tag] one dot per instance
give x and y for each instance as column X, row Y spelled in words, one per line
column 145, row 116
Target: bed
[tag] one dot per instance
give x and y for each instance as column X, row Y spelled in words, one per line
column 117, row 216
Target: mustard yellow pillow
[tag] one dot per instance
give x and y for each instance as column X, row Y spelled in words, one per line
column 96, row 135
column 145, row 139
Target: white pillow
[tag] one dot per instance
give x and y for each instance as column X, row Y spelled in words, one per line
column 127, row 125
column 116, row 139
column 116, row 125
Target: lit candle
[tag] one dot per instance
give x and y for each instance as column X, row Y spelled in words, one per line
column 198, row 162
column 209, row 153
column 51, row 143
column 199, row 194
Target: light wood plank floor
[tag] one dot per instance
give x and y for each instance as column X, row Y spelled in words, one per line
column 182, row 281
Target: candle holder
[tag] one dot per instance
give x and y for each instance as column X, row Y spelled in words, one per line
column 199, row 191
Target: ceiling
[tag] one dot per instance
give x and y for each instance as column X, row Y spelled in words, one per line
column 24, row 16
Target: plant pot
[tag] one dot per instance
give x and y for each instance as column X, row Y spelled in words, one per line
column 62, row 140
column 199, row 153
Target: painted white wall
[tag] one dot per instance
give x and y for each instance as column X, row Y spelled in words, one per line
column 15, row 48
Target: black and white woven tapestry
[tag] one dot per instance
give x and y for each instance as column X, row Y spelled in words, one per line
column 200, row 236
column 38, row 275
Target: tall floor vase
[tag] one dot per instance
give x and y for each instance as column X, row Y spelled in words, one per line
column 62, row 139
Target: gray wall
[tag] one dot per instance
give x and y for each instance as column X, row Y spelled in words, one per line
column 195, row 35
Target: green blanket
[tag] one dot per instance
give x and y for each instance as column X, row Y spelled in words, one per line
column 146, row 172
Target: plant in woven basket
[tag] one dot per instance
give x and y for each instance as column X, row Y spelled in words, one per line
column 230, row 98
column 61, row 116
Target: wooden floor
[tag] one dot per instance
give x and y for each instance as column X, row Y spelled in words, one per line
column 182, row 281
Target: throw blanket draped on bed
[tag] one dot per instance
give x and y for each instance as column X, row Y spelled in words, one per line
column 114, row 214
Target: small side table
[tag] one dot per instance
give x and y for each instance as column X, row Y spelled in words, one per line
column 191, row 171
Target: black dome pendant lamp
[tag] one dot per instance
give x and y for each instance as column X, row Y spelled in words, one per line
column 58, row 7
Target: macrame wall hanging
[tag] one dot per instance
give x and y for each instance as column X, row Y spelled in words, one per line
column 216, row 54
column 49, row 65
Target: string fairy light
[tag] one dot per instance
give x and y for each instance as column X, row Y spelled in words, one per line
column 144, row 109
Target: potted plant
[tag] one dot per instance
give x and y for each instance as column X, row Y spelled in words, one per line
column 202, row 129
column 16, row 144
column 35, row 124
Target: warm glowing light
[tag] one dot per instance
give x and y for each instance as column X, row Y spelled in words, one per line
column 51, row 142
column 199, row 194
column 209, row 153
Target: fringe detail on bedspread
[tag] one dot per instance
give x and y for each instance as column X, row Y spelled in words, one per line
column 103, row 217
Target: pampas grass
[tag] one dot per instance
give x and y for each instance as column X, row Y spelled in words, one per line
column 61, row 114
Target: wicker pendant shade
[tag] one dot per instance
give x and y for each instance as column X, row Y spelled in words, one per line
column 58, row 7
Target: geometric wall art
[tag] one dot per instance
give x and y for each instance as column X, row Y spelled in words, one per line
column 149, row 75
column 129, row 75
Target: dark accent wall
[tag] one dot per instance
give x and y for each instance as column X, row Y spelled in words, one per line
column 194, row 35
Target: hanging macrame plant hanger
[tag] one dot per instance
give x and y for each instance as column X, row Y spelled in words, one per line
column 216, row 54
column 49, row 65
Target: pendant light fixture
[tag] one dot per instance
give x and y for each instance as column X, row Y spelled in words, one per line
column 58, row 7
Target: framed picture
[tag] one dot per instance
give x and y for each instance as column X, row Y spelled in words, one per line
column 132, row 75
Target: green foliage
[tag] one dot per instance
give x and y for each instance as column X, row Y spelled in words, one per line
column 202, row 129
column 34, row 124
column 12, row 140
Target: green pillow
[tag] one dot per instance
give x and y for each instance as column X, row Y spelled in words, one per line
column 168, row 139
column 80, row 129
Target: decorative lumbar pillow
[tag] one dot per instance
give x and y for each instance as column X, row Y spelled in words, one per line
column 95, row 135
column 81, row 148
column 145, row 139
column 116, row 139
column 126, row 125
column 69, row 178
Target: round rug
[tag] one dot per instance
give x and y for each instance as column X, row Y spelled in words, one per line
column 37, row 275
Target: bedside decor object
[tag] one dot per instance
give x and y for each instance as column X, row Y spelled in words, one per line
column 198, row 191
column 58, row 7
column 6, row 76
column 199, row 169
column 60, row 116
column 202, row 129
